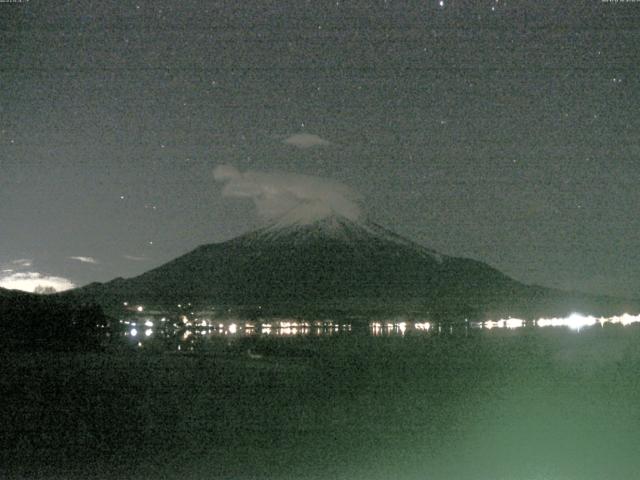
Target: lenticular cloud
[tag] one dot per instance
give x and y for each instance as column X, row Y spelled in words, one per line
column 85, row 259
column 305, row 140
column 276, row 195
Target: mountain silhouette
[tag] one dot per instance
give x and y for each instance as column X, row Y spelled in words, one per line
column 334, row 263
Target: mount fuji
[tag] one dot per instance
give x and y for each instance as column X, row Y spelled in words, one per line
column 325, row 262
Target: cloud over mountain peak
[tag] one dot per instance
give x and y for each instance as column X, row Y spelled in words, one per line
column 305, row 198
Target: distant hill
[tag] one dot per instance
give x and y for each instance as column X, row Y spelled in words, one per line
column 336, row 264
column 7, row 294
column 29, row 321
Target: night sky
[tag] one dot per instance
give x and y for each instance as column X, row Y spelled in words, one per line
column 501, row 131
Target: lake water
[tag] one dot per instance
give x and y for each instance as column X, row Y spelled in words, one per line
column 380, row 400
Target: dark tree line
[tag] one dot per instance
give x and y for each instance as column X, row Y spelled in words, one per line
column 43, row 322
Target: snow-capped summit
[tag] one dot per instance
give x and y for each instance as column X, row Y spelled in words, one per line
column 306, row 214
column 299, row 227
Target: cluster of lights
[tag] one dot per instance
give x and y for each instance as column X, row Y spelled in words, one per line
column 575, row 321
column 147, row 333
column 510, row 323
column 379, row 328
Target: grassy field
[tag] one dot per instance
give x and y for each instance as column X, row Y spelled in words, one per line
column 525, row 405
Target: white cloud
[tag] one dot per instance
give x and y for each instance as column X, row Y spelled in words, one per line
column 302, row 198
column 29, row 281
column 134, row 258
column 305, row 140
column 22, row 262
column 85, row 259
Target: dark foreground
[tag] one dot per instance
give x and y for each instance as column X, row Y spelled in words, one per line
column 524, row 405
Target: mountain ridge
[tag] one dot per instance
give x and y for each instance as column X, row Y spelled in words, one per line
column 332, row 262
